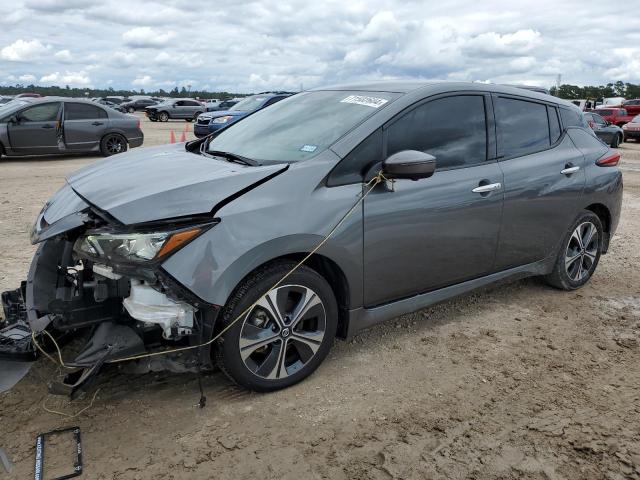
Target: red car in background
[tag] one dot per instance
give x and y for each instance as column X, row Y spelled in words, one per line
column 632, row 106
column 632, row 129
column 616, row 116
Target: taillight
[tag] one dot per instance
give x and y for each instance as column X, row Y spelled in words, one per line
column 609, row 160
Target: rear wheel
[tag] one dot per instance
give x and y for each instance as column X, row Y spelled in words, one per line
column 131, row 110
column 579, row 253
column 197, row 114
column 163, row 117
column 283, row 338
column 112, row 144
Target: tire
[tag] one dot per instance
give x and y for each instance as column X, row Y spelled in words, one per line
column 152, row 119
column 195, row 117
column 163, row 117
column 615, row 142
column 188, row 120
column 131, row 110
column 307, row 339
column 576, row 261
column 112, row 144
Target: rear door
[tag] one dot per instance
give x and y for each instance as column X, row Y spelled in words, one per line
column 426, row 234
column 36, row 130
column 543, row 178
column 84, row 125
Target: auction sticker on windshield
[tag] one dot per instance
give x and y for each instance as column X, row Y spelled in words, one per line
column 373, row 102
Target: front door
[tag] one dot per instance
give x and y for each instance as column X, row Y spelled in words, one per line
column 84, row 126
column 36, row 130
column 426, row 234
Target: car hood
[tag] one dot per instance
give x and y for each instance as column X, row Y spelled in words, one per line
column 164, row 182
column 222, row 113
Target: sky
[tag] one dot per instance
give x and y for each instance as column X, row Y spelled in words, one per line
column 247, row 46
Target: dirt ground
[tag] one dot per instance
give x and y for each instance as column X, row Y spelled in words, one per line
column 516, row 381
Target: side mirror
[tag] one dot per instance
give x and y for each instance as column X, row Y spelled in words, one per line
column 13, row 119
column 409, row 164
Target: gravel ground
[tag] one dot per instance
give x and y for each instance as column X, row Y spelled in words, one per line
column 515, row 381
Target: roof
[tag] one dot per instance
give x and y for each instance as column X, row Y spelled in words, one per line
column 407, row 86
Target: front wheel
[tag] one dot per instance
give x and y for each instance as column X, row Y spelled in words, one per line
column 163, row 117
column 113, row 144
column 615, row 142
column 285, row 336
column 579, row 253
column 131, row 110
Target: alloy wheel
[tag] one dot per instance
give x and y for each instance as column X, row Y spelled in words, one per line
column 283, row 332
column 582, row 251
column 115, row 145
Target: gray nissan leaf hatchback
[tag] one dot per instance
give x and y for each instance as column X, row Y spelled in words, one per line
column 395, row 195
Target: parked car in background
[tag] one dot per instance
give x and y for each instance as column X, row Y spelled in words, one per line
column 55, row 125
column 137, row 105
column 616, row 116
column 4, row 100
column 220, row 105
column 117, row 100
column 610, row 134
column 632, row 106
column 28, row 95
column 631, row 129
column 183, row 109
column 212, row 121
column 180, row 243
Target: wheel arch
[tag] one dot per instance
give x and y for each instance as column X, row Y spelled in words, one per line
column 330, row 271
column 603, row 213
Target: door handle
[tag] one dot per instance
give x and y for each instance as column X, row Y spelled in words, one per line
column 47, row 126
column 97, row 123
column 569, row 170
column 491, row 187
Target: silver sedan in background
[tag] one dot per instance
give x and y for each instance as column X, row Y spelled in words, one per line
column 54, row 125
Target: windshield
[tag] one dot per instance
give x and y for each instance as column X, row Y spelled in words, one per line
column 301, row 126
column 249, row 104
column 12, row 105
column 636, row 119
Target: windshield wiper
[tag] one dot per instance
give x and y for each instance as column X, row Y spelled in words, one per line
column 232, row 157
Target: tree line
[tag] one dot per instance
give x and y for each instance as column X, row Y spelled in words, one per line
column 68, row 91
column 570, row 92
column 617, row 89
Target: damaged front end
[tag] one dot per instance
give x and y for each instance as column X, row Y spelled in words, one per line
column 92, row 276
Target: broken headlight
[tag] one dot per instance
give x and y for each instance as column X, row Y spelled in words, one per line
column 133, row 247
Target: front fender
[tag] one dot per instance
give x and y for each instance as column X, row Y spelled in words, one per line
column 265, row 224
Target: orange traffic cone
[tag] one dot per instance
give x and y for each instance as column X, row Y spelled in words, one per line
column 183, row 137
column 172, row 137
column 186, row 127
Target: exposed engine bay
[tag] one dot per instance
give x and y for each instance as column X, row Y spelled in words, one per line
column 126, row 311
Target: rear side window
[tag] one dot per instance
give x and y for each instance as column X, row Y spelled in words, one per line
column 47, row 112
column 554, row 124
column 81, row 111
column 523, row 127
column 452, row 129
column 574, row 118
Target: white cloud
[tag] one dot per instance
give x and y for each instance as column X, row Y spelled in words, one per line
column 63, row 56
column 144, row 81
column 147, row 37
column 76, row 79
column 508, row 44
column 23, row 51
column 27, row 78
